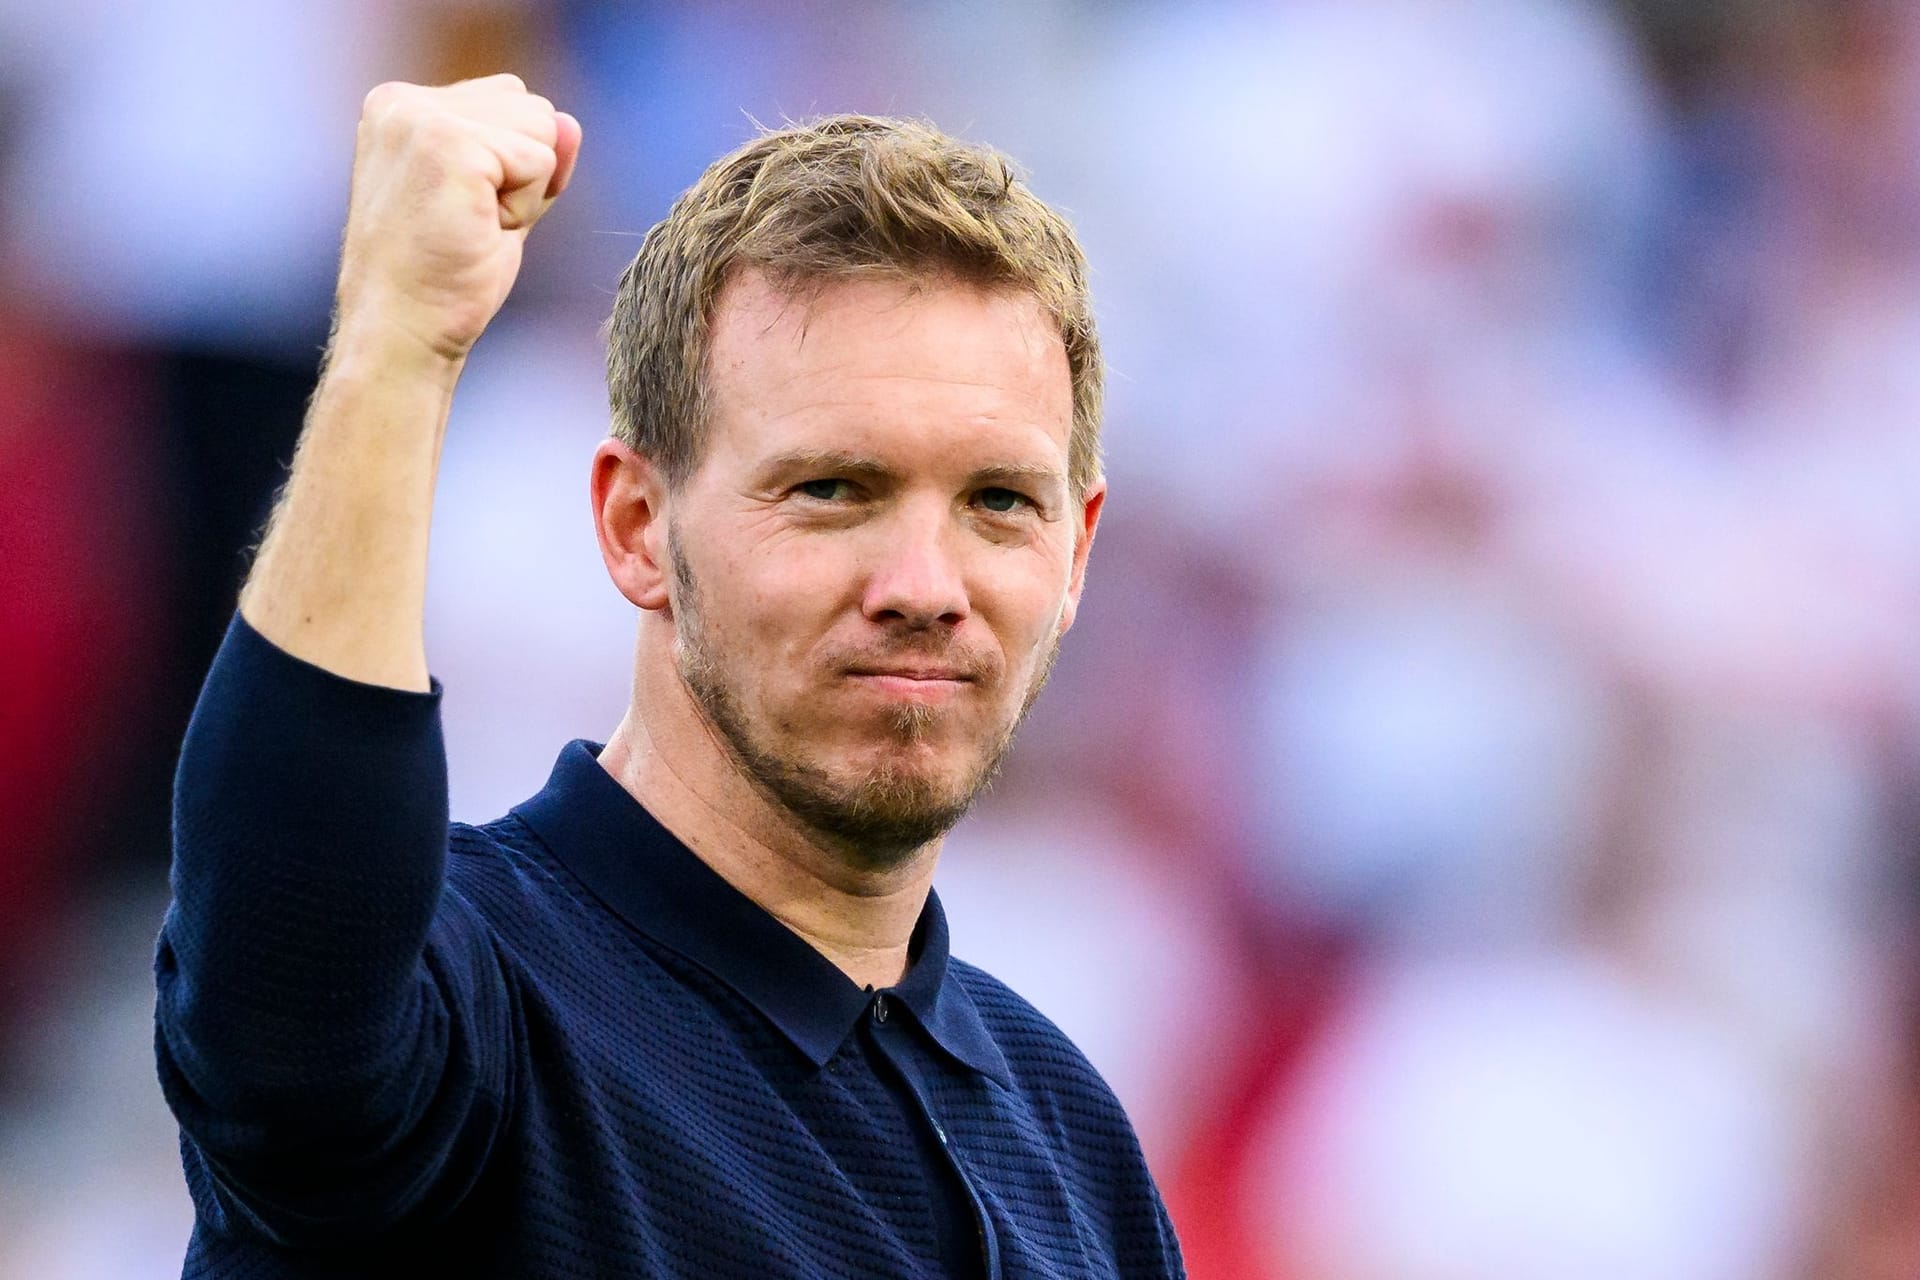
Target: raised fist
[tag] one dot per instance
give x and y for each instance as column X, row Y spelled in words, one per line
column 446, row 183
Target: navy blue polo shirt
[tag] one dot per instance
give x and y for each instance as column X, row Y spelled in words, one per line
column 559, row 1044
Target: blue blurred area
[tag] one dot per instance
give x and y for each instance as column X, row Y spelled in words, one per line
column 1473, row 822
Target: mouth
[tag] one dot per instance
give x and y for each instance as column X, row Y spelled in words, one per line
column 912, row 684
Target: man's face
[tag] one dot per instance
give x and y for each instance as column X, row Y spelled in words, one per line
column 879, row 552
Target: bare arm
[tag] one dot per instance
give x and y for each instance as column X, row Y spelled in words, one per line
column 447, row 182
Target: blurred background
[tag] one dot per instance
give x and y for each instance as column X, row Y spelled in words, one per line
column 1474, row 824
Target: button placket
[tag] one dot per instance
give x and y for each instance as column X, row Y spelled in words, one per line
column 982, row 1220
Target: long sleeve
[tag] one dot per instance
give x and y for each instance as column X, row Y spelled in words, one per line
column 331, row 1024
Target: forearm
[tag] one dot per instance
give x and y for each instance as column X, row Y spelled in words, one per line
column 341, row 577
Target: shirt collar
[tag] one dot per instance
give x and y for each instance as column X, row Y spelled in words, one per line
column 655, row 883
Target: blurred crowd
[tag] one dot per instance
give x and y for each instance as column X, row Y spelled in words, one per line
column 1474, row 822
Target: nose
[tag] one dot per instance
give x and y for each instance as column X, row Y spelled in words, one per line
column 916, row 581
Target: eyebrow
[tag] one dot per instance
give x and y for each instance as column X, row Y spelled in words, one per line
column 1019, row 475
column 859, row 466
column 826, row 461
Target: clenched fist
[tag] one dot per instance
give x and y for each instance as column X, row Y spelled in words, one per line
column 446, row 184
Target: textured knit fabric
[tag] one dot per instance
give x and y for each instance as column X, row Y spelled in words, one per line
column 560, row 1045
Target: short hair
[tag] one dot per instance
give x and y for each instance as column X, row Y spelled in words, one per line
column 841, row 197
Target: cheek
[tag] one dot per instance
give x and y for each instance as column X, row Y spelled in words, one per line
column 1028, row 620
column 785, row 605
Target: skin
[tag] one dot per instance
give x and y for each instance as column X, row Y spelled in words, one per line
column 806, row 593
column 447, row 182
column 874, row 562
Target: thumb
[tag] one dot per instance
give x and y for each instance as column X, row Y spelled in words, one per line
column 566, row 150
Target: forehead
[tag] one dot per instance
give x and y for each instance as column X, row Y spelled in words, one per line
column 927, row 362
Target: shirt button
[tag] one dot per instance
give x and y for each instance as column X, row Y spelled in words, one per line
column 941, row 1134
column 879, row 1008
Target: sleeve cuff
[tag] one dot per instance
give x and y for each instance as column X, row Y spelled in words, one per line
column 254, row 652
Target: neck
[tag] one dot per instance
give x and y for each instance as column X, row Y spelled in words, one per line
column 668, row 758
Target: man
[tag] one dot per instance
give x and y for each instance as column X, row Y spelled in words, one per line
column 689, row 1011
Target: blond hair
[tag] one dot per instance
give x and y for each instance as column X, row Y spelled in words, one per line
column 840, row 197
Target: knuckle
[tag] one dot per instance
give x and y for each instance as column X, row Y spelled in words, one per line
column 543, row 124
column 529, row 163
column 381, row 98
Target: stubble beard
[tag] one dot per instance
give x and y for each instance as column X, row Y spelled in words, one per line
column 877, row 821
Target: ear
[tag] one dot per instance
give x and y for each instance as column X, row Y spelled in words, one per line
column 629, row 514
column 1087, row 521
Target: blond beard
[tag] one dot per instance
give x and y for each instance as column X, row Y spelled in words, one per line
column 878, row 821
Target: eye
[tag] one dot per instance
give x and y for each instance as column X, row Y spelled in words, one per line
column 1002, row 501
column 825, row 490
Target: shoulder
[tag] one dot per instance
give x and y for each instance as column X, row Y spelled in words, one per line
column 499, row 851
column 501, row 873
column 1041, row 1057
column 1005, row 1010
column 1086, row 1126
column 491, row 846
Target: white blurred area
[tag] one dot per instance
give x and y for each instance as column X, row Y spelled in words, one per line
column 1474, row 822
